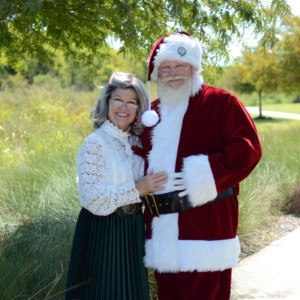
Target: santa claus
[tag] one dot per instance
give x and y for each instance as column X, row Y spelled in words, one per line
column 207, row 143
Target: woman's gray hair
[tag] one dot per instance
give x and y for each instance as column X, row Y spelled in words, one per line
column 122, row 81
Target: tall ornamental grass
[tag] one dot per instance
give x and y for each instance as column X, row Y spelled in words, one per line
column 41, row 130
column 38, row 213
column 266, row 192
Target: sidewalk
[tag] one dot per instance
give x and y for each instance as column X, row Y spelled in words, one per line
column 272, row 273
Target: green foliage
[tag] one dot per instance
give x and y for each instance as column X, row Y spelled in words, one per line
column 289, row 56
column 228, row 80
column 258, row 71
column 268, row 71
column 67, row 73
column 81, row 29
column 36, row 121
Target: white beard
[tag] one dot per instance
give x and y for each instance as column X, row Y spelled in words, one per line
column 173, row 96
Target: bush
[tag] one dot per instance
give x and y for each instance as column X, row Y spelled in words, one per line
column 297, row 99
column 293, row 206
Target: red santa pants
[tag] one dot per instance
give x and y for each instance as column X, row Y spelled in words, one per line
column 194, row 285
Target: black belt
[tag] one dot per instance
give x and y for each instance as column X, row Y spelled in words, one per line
column 127, row 210
column 172, row 203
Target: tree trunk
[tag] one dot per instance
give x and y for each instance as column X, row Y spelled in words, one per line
column 260, row 103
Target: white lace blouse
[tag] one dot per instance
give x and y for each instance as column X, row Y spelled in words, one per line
column 107, row 170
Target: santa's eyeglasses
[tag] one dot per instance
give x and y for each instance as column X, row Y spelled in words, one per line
column 175, row 70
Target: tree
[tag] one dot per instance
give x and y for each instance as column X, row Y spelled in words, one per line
column 78, row 76
column 289, row 53
column 258, row 72
column 81, row 28
column 88, row 76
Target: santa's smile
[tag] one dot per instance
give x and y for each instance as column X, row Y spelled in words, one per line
column 175, row 80
column 175, row 83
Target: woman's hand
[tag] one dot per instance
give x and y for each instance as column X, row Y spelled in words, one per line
column 152, row 183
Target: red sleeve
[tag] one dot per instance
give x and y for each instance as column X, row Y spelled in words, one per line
column 242, row 149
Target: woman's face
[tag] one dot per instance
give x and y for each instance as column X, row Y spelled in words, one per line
column 123, row 106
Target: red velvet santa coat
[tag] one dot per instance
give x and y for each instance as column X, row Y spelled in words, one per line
column 215, row 143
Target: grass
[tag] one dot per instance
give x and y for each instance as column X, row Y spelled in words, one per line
column 38, row 213
column 266, row 191
column 283, row 107
column 40, row 132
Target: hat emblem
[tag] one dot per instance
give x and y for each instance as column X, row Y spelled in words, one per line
column 181, row 51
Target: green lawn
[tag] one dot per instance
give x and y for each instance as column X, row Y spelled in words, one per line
column 283, row 107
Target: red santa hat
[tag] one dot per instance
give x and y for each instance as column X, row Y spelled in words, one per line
column 178, row 46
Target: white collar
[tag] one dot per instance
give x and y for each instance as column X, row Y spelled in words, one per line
column 114, row 131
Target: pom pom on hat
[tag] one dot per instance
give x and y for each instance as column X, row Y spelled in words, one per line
column 149, row 118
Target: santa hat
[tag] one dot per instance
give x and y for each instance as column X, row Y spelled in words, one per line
column 179, row 46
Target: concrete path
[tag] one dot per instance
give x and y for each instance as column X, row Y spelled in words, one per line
column 275, row 114
column 272, row 273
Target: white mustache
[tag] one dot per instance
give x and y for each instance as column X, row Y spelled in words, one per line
column 172, row 77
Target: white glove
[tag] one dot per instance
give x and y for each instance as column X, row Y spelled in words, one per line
column 177, row 181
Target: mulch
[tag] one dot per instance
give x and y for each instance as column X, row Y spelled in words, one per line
column 277, row 228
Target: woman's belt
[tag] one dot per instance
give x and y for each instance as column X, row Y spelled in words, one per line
column 128, row 210
column 169, row 203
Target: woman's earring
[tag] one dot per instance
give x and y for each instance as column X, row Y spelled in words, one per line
column 135, row 120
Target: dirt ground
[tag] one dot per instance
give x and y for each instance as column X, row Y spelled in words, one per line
column 279, row 227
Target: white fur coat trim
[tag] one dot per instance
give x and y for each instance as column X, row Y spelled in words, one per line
column 197, row 81
column 192, row 255
column 165, row 253
column 165, row 139
column 199, row 179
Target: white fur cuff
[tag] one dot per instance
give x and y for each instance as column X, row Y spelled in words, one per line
column 199, row 179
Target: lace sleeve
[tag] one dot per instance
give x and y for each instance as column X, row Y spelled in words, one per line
column 96, row 196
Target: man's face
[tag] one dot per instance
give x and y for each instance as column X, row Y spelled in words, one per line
column 174, row 73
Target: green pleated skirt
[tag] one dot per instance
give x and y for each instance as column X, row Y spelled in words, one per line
column 107, row 258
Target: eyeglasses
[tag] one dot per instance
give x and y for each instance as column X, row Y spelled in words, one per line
column 119, row 102
column 176, row 70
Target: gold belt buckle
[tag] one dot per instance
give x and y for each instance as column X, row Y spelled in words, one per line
column 153, row 204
